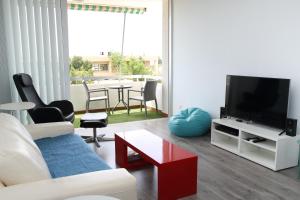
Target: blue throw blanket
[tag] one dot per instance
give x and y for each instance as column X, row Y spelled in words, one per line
column 68, row 155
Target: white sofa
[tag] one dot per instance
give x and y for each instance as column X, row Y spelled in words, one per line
column 25, row 175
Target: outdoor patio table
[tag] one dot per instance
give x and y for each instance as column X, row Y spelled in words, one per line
column 120, row 89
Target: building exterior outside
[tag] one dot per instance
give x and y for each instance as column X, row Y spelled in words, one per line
column 102, row 65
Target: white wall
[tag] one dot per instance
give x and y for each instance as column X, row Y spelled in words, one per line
column 212, row 38
column 165, row 56
column 4, row 78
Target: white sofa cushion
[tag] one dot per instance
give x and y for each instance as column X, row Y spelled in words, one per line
column 20, row 159
column 11, row 123
column 52, row 129
column 117, row 183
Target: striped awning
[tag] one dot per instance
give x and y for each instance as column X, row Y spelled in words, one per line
column 106, row 8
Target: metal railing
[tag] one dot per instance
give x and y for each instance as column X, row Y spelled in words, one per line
column 122, row 77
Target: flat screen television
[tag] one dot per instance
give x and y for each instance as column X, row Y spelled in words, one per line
column 258, row 99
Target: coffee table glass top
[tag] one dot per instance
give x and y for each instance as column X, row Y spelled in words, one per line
column 158, row 149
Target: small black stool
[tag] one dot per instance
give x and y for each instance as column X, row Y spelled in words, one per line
column 94, row 121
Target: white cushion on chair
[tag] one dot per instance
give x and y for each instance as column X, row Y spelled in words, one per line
column 20, row 159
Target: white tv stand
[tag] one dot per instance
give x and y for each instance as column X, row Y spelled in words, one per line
column 276, row 153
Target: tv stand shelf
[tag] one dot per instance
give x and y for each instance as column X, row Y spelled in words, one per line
column 276, row 152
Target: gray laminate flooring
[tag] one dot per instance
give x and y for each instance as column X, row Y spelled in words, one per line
column 221, row 174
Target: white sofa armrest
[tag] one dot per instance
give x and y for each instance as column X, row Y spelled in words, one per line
column 116, row 183
column 38, row 131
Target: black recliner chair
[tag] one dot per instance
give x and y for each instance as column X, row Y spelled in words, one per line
column 56, row 111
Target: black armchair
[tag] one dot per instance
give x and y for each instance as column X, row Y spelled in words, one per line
column 56, row 111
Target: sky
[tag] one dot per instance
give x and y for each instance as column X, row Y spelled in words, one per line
column 92, row 32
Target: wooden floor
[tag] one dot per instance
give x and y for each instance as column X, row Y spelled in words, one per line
column 221, row 175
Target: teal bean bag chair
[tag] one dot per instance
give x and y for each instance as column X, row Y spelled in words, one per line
column 190, row 122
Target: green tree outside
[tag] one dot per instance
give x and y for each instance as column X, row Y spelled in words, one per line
column 76, row 62
column 80, row 68
column 136, row 66
column 132, row 66
column 117, row 61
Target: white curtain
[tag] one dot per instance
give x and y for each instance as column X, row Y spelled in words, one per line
column 37, row 44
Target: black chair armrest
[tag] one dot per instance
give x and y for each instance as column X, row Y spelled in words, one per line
column 46, row 115
column 65, row 106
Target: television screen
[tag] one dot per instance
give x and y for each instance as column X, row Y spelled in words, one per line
column 262, row 100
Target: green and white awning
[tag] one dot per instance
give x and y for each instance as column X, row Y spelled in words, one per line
column 106, row 8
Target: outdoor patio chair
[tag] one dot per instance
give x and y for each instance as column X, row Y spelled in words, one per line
column 146, row 94
column 89, row 99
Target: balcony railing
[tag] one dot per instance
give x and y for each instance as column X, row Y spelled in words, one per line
column 78, row 95
column 122, row 77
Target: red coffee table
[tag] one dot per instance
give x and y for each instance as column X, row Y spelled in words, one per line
column 177, row 167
